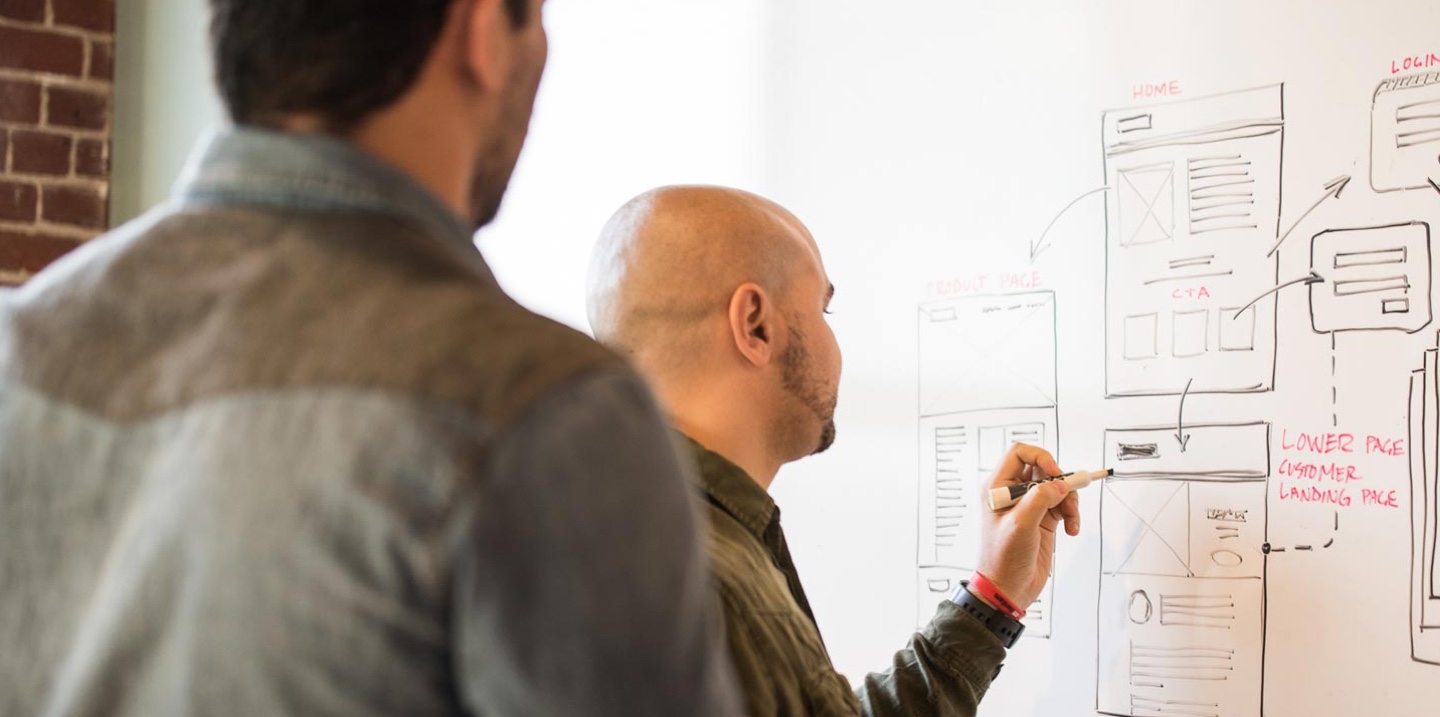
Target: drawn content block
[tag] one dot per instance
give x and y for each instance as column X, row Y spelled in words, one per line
column 1182, row 595
column 1424, row 411
column 1193, row 208
column 1377, row 278
column 1405, row 133
column 987, row 381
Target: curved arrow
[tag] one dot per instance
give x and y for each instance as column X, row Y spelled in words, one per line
column 1039, row 246
column 1180, row 435
column 1333, row 189
column 1313, row 278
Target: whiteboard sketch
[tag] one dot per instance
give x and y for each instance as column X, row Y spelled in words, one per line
column 987, row 380
column 1378, row 278
column 1424, row 412
column 1182, row 592
column 1195, row 206
column 1405, row 133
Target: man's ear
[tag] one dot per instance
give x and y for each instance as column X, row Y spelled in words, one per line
column 754, row 324
column 487, row 39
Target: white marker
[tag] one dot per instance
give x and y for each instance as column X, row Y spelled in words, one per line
column 1002, row 498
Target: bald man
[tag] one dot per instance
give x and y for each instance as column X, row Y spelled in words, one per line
column 718, row 296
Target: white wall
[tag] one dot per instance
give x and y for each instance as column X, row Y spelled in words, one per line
column 163, row 99
column 637, row 94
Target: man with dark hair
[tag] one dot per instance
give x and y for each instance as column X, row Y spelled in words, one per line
column 283, row 446
column 719, row 296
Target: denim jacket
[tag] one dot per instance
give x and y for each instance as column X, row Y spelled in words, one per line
column 283, row 446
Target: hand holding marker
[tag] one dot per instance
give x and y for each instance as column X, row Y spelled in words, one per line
column 1006, row 496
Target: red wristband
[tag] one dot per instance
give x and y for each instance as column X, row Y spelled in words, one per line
column 982, row 587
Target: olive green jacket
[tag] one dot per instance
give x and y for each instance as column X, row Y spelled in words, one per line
column 779, row 656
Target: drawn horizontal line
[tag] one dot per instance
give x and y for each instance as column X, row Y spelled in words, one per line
column 1404, row 143
column 1397, row 255
column 1204, row 174
column 1219, row 185
column 1187, row 277
column 1215, row 134
column 1192, row 261
column 1231, row 202
column 1223, row 229
column 1217, row 217
column 1202, row 195
column 1356, row 287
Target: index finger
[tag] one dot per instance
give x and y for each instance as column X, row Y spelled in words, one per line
column 1012, row 469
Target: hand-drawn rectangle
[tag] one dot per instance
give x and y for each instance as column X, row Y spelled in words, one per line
column 1227, row 151
column 1237, row 329
column 1180, row 646
column 1141, row 335
column 1147, row 204
column 1182, row 591
column 987, row 380
column 1213, row 452
column 1404, row 132
column 1191, row 333
column 987, row 352
column 1424, row 420
column 1375, row 278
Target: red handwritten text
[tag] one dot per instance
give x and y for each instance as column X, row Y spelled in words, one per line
column 1147, row 90
column 1416, row 62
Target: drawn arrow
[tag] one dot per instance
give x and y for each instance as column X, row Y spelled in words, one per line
column 1039, row 246
column 1433, row 184
column 1180, row 435
column 1333, row 189
column 1313, row 278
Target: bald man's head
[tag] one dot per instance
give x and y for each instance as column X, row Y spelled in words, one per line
column 719, row 297
column 671, row 258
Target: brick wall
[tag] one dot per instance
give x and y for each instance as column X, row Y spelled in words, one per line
column 57, row 61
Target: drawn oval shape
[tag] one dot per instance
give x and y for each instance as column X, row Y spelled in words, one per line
column 1227, row 558
column 1141, row 609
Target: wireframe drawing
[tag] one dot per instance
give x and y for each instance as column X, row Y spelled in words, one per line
column 1405, row 133
column 987, row 380
column 1195, row 206
column 1424, row 412
column 1377, row 278
column 1182, row 566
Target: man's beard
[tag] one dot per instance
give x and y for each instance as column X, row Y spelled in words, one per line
column 497, row 161
column 796, row 377
column 492, row 175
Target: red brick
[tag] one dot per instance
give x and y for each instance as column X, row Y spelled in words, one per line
column 102, row 60
column 32, row 252
column 39, row 153
column 77, row 206
column 41, row 51
column 23, row 10
column 19, row 101
column 17, row 202
column 82, row 109
column 97, row 15
column 92, row 158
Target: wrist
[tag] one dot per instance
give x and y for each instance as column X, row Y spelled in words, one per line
column 997, row 621
column 986, row 590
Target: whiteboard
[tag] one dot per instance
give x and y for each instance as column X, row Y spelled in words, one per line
column 1190, row 241
column 1005, row 194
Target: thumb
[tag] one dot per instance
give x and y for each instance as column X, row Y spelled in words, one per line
column 1038, row 502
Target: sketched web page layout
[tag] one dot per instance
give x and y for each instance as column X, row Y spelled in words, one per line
column 987, row 381
column 1192, row 212
column 1181, row 623
column 1424, row 410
